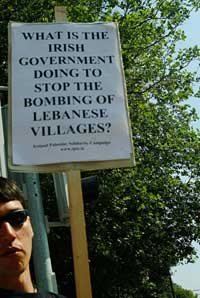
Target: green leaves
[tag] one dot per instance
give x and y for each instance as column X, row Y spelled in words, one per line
column 154, row 205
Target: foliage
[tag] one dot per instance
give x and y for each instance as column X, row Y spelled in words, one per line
column 182, row 293
column 173, row 290
column 146, row 217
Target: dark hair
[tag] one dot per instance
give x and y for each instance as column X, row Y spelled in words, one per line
column 9, row 191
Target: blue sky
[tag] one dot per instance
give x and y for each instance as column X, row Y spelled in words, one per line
column 191, row 28
column 188, row 275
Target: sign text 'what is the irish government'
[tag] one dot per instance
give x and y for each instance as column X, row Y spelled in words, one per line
column 68, row 94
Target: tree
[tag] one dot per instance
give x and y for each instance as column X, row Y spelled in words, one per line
column 149, row 214
column 182, row 293
column 146, row 217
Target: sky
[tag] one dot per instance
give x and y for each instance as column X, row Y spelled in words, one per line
column 191, row 28
column 188, row 275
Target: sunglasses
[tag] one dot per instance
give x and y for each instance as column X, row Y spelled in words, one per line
column 15, row 218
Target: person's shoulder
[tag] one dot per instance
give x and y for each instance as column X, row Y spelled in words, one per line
column 4, row 293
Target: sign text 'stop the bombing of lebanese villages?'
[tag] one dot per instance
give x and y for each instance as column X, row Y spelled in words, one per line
column 68, row 94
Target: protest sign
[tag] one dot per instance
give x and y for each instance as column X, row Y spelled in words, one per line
column 67, row 98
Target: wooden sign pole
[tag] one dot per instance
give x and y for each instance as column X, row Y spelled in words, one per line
column 77, row 218
column 78, row 233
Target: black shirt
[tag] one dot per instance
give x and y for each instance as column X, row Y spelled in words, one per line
column 40, row 294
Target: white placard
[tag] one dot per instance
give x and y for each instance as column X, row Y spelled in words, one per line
column 68, row 94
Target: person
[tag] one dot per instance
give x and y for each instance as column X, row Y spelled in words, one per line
column 16, row 236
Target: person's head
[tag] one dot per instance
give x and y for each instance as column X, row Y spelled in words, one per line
column 15, row 231
column 9, row 191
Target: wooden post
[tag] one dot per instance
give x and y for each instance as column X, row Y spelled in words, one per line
column 77, row 218
column 78, row 233
column 60, row 13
